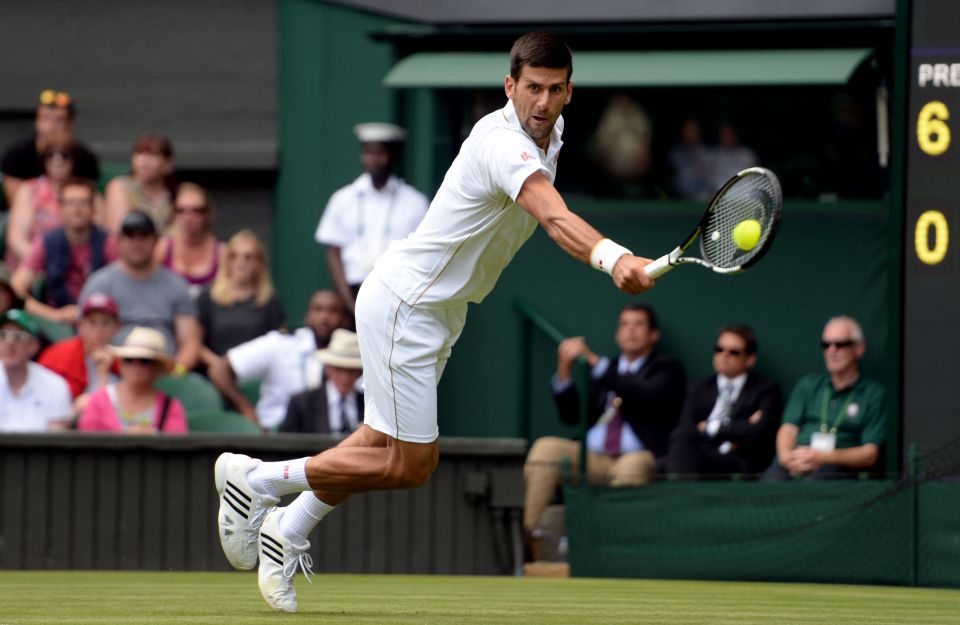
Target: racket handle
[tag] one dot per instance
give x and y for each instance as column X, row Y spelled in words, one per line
column 659, row 267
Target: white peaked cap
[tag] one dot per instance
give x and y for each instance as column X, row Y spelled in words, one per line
column 379, row 132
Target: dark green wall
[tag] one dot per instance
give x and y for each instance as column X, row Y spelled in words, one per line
column 329, row 77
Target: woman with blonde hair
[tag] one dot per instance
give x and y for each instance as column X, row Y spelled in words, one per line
column 241, row 303
column 191, row 250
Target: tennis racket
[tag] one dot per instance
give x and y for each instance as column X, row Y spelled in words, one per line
column 753, row 194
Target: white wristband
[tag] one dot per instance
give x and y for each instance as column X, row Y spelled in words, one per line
column 605, row 255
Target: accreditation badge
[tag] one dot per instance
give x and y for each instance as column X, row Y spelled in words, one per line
column 823, row 441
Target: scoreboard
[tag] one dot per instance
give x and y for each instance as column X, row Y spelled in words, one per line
column 931, row 313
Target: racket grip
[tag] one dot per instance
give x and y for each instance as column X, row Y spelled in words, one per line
column 659, row 267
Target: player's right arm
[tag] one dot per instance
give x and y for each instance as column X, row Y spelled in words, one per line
column 574, row 235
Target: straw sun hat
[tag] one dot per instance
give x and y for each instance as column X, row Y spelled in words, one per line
column 145, row 343
column 343, row 350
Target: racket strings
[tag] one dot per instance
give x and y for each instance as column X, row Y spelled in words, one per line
column 754, row 196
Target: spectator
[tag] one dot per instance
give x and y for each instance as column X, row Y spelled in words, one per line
column 834, row 423
column 8, row 297
column 36, row 207
column 85, row 360
column 147, row 294
column 241, row 304
column 361, row 219
column 66, row 256
column 336, row 406
column 286, row 364
column 32, row 399
column 191, row 251
column 730, row 157
column 729, row 420
column 149, row 187
column 55, row 116
column 634, row 404
column 134, row 405
column 691, row 164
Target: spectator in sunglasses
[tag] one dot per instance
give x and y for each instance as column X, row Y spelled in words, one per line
column 729, row 419
column 134, row 405
column 149, row 187
column 32, row 398
column 834, row 424
column 191, row 250
column 22, row 161
column 36, row 207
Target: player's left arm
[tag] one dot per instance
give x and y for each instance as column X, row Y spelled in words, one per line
column 574, row 235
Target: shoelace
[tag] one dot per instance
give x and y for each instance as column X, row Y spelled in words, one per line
column 256, row 520
column 303, row 559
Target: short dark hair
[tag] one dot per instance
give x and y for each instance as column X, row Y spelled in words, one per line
column 744, row 332
column 89, row 185
column 540, row 50
column 644, row 308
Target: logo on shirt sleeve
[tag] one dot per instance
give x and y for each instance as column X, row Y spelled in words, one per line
column 526, row 157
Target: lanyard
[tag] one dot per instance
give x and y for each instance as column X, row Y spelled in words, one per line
column 387, row 223
column 823, row 411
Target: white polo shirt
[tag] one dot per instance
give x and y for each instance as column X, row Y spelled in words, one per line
column 285, row 363
column 44, row 398
column 474, row 226
column 362, row 221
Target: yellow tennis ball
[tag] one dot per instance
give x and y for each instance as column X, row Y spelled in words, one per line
column 746, row 234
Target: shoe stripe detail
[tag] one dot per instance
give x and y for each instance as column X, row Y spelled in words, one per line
column 272, row 557
column 276, row 544
column 232, row 488
column 229, row 495
column 236, row 509
column 268, row 547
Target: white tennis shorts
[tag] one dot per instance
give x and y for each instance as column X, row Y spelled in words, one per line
column 404, row 350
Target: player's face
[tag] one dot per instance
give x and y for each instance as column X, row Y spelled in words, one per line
column 730, row 356
column 634, row 336
column 845, row 357
column 539, row 95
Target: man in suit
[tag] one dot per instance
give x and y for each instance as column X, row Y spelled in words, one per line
column 336, row 406
column 635, row 400
column 729, row 420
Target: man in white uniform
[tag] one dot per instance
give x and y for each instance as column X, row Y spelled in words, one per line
column 410, row 312
column 362, row 218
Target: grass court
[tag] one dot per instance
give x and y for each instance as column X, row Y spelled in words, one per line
column 170, row 598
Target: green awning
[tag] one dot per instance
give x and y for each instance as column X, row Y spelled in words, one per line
column 452, row 70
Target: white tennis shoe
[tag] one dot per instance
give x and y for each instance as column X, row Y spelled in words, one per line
column 242, row 509
column 279, row 559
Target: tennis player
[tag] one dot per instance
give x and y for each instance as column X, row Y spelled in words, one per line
column 410, row 312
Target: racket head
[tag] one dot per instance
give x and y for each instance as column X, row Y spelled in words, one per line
column 753, row 193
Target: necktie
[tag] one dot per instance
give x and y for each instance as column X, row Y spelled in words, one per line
column 723, row 402
column 340, row 418
column 611, row 440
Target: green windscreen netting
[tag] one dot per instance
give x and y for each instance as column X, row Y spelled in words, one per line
column 892, row 531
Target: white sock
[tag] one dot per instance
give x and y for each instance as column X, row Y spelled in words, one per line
column 301, row 516
column 280, row 478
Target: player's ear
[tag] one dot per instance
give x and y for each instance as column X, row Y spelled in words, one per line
column 569, row 92
column 509, row 86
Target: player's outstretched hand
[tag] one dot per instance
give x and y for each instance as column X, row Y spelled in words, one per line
column 629, row 276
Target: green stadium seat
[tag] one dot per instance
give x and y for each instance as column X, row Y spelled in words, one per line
column 195, row 392
column 251, row 390
column 223, row 421
column 54, row 330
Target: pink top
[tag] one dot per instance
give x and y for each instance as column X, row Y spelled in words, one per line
column 46, row 214
column 100, row 415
